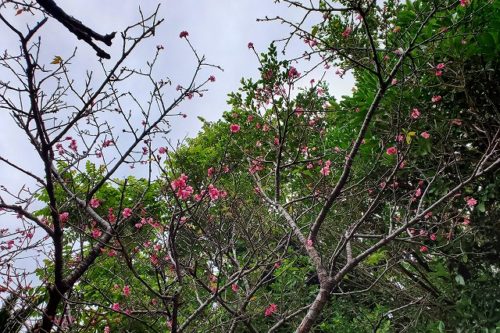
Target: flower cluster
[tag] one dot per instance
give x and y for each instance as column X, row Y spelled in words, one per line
column 180, row 185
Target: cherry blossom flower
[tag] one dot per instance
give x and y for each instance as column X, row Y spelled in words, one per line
column 346, row 32
column 111, row 216
column 425, row 135
column 126, row 290
column 250, row 45
column 162, row 150
column 293, row 73
column 255, row 167
column 432, row 237
column 424, row 248
column 127, row 212
column 95, row 203
column 391, row 151
column 325, row 170
column 415, row 113
column 213, row 192
column 96, row 233
column 457, row 122
column 436, row 99
column 272, row 308
column 107, row 329
column 60, row 148
column 115, row 307
column 309, row 242
column 64, row 217
column 394, row 82
column 235, row 287
column 234, row 128
column 183, row 34
column 471, row 202
column 73, row 145
column 185, row 193
column 179, row 182
column 464, row 3
column 440, row 66
column 211, row 78
column 210, row 172
column 466, row 221
column 107, row 143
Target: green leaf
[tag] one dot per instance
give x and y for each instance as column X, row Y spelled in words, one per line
column 441, row 327
column 460, row 280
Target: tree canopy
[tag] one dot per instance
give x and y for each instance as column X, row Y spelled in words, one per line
column 295, row 212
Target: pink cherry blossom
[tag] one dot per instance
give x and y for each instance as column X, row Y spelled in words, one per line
column 471, row 202
column 183, row 34
column 432, row 237
column 250, row 45
column 127, row 212
column 96, row 233
column 73, row 145
column 415, row 113
column 60, row 148
column 64, row 217
column 95, row 203
column 424, row 248
column 436, row 99
column 213, row 192
column 107, row 143
column 179, row 182
column 439, row 73
column 210, row 172
column 346, row 32
column 309, row 242
column 115, row 307
column 185, row 193
column 235, row 287
column 272, row 308
column 162, row 150
column 325, row 170
column 466, row 221
column 293, row 73
column 464, row 3
column 440, row 66
column 126, row 290
column 211, row 78
column 107, row 329
column 234, row 128
column 425, row 135
column 391, row 151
